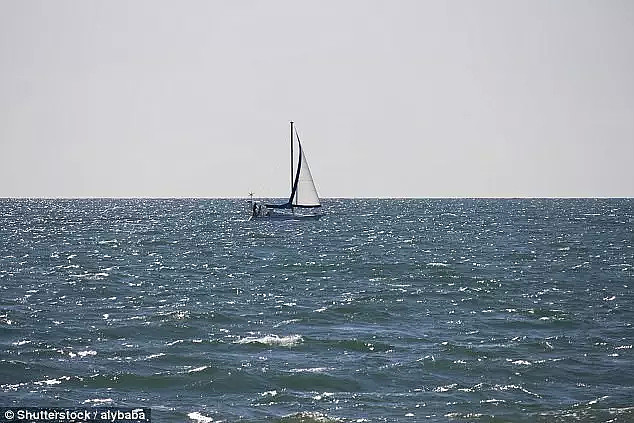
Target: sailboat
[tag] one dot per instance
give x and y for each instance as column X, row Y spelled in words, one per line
column 303, row 202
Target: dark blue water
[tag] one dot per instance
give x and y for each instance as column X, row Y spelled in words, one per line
column 383, row 310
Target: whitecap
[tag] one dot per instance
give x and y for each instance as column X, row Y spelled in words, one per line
column 465, row 416
column 13, row 387
column 86, row 353
column 197, row 417
column 445, row 388
column 48, row 382
column 596, row 400
column 310, row 370
column 52, row 381
column 197, row 369
column 110, row 241
column 149, row 357
column 474, row 388
column 319, row 397
column 98, row 401
column 433, row 264
column 273, row 340
column 518, row 387
column 310, row 416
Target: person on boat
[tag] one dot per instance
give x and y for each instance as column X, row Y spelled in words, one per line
column 259, row 210
column 254, row 209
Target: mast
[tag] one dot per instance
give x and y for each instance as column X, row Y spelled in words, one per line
column 292, row 156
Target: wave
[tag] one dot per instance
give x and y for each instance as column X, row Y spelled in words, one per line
column 309, row 417
column 435, row 264
column 197, row 369
column 317, row 381
column 273, row 340
column 311, row 370
column 200, row 418
column 354, row 317
column 98, row 401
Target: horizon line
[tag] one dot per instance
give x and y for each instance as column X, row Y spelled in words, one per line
column 519, row 197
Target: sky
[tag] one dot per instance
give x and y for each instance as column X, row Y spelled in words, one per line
column 446, row 98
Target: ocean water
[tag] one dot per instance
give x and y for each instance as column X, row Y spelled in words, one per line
column 383, row 310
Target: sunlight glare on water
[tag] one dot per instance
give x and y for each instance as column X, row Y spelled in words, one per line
column 383, row 310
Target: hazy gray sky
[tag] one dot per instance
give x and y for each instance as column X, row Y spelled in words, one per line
column 391, row 98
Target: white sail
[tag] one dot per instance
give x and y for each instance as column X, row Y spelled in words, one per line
column 305, row 193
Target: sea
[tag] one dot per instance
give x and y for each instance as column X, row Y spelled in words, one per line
column 384, row 310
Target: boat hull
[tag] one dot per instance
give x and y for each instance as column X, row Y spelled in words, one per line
column 284, row 216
